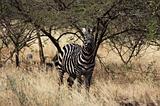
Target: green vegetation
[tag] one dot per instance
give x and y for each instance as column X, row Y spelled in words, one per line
column 125, row 32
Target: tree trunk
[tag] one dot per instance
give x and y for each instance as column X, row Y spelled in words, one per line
column 17, row 57
column 41, row 52
column 54, row 41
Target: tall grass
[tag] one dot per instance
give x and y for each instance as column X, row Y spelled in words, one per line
column 19, row 87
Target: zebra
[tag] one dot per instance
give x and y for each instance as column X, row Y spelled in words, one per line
column 77, row 61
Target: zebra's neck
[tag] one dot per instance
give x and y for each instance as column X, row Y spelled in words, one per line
column 86, row 57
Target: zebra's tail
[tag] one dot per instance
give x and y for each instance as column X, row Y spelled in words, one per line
column 53, row 63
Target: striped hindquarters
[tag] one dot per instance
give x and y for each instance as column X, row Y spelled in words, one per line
column 66, row 59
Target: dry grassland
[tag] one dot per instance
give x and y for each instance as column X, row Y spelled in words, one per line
column 116, row 85
column 19, row 87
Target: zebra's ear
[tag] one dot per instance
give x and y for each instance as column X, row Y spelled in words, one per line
column 86, row 31
column 89, row 30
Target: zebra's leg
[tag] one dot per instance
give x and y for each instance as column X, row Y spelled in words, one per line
column 61, row 73
column 87, row 81
column 79, row 79
column 70, row 80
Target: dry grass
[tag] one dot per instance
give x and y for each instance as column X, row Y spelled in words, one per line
column 19, row 87
column 119, row 85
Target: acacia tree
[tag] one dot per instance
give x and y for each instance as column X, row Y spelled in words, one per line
column 21, row 35
column 41, row 52
column 122, row 23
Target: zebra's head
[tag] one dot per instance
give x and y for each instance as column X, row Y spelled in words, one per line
column 89, row 43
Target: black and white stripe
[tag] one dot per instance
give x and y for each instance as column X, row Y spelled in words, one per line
column 78, row 61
